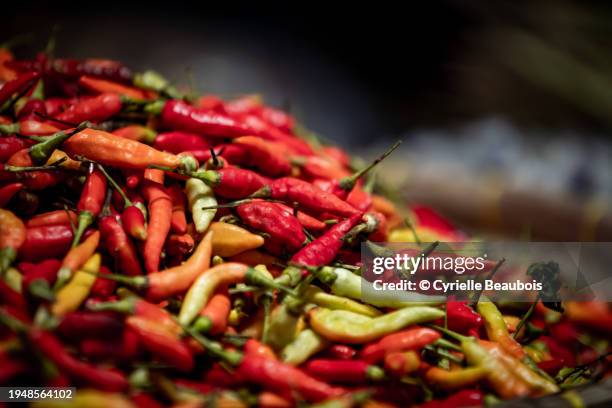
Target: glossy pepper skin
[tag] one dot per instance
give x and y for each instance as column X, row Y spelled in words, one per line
column 309, row 197
column 95, row 109
column 284, row 230
column 91, row 201
column 47, row 241
column 232, row 182
column 409, row 339
column 119, row 245
column 177, row 114
column 343, row 371
column 159, row 205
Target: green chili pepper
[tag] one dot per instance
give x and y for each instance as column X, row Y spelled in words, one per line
column 306, row 344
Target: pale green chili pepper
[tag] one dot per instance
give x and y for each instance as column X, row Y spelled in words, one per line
column 199, row 196
column 283, row 326
column 306, row 344
column 319, row 297
column 343, row 282
column 348, row 327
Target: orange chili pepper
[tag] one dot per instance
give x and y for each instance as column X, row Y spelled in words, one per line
column 160, row 214
column 76, row 257
column 103, row 86
column 12, row 236
column 112, row 150
column 178, row 223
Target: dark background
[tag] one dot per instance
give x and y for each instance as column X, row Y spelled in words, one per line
column 356, row 74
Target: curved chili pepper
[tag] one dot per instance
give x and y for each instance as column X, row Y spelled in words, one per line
column 308, row 222
column 205, row 285
column 7, row 192
column 178, row 142
column 344, row 371
column 112, row 150
column 33, row 108
column 160, row 214
column 306, row 344
column 31, row 127
column 259, row 127
column 21, row 163
column 138, row 133
column 39, row 278
column 163, row 284
column 410, row 339
column 455, row 379
column 52, row 218
column 213, row 317
column 230, row 239
column 321, row 168
column 95, row 109
column 284, row 230
column 91, row 201
column 308, row 196
column 497, row 329
column 354, row 328
column 177, row 114
column 13, row 236
column 103, row 288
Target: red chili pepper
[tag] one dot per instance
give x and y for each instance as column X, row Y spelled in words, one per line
column 11, row 297
column 7, row 192
column 341, row 352
column 308, row 222
column 53, row 349
column 102, row 68
column 231, row 153
column 410, row 339
column 95, row 109
column 138, row 133
column 322, row 168
column 144, row 400
column 91, row 201
column 17, row 85
column 39, row 278
column 10, row 368
column 47, row 241
column 9, row 145
column 359, row 198
column 179, row 245
column 324, row 249
column 32, row 110
column 285, row 379
column 308, row 196
column 33, row 180
column 277, row 118
column 210, row 102
column 52, row 218
column 124, row 348
column 55, row 106
column 462, row 318
column 31, row 127
column 270, row 158
column 284, row 230
column 81, row 324
column 259, row 127
column 163, row 344
column 232, row 182
column 160, row 215
column 461, row 399
column 254, row 348
column 337, row 154
column 119, row 245
column 102, row 287
column 344, row 371
column 178, row 223
column 177, row 114
column 177, row 142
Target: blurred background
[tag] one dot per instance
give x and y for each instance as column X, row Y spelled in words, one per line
column 505, row 108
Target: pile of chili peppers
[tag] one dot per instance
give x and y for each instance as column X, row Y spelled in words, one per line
column 162, row 249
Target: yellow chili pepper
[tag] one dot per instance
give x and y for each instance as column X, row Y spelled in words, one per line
column 455, row 379
column 70, row 297
column 67, row 162
column 348, row 327
column 497, row 330
column 230, row 240
column 319, row 297
column 254, row 257
column 76, row 257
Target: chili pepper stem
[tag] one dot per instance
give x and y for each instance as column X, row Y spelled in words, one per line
column 477, row 295
column 9, row 128
column 138, row 282
column 125, row 306
column 233, row 358
column 85, row 219
column 348, row 183
column 202, row 324
column 255, row 277
column 526, row 317
column 40, row 289
column 113, row 183
column 49, row 167
column 450, row 333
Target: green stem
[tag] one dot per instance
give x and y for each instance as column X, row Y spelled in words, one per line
column 348, row 183
column 85, row 219
column 526, row 317
column 215, row 349
column 126, row 200
column 138, row 282
column 477, row 295
column 450, row 333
